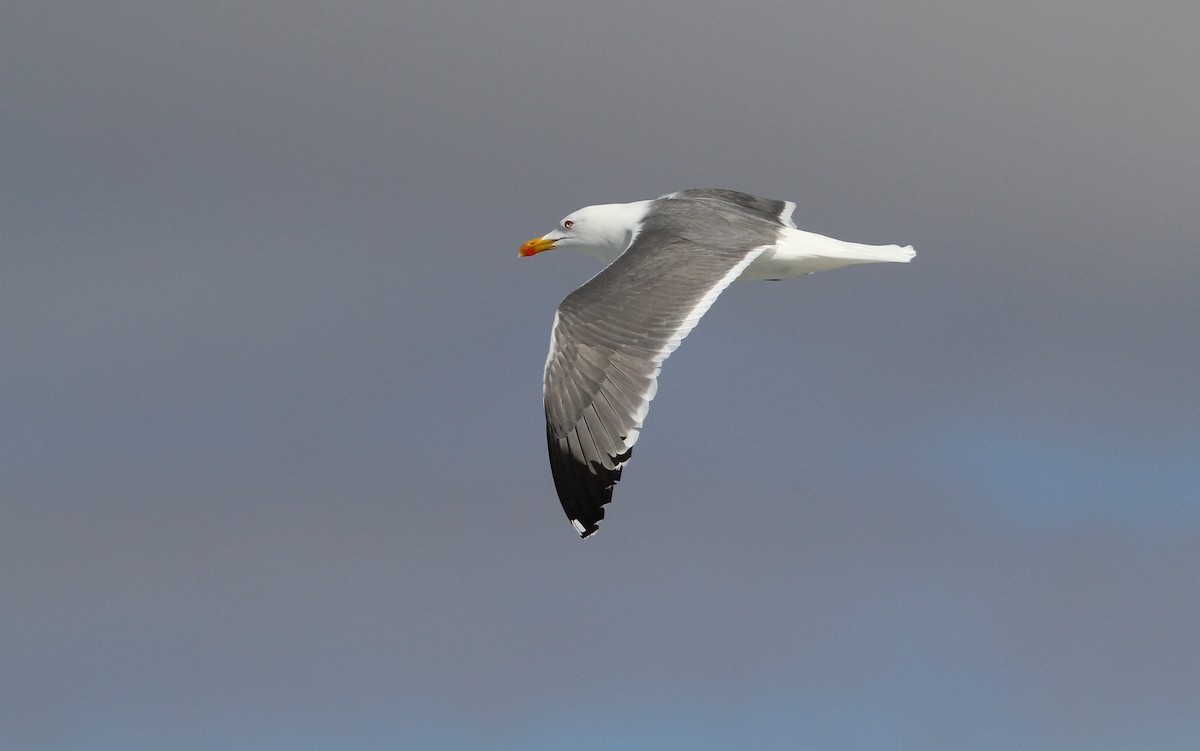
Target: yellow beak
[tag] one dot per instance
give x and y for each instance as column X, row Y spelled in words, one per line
column 536, row 245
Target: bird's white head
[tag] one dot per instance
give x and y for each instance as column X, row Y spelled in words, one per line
column 603, row 231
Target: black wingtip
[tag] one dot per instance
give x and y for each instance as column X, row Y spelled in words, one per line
column 583, row 490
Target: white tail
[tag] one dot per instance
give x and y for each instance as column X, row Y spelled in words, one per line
column 801, row 253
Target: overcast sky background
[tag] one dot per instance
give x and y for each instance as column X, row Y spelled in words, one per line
column 273, row 469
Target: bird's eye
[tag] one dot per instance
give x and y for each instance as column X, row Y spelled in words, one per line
column 568, row 223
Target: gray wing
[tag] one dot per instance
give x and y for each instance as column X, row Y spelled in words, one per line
column 611, row 336
column 779, row 212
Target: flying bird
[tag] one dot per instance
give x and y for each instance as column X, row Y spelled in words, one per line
column 668, row 260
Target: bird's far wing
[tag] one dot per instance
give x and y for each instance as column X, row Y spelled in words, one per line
column 776, row 212
column 609, row 341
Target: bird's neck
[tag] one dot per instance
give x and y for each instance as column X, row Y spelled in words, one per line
column 623, row 222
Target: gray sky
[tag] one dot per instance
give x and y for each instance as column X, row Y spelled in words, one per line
column 274, row 470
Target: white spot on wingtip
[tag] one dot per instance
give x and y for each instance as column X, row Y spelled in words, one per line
column 578, row 527
column 785, row 216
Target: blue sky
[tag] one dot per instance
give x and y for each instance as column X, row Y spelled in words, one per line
column 273, row 471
